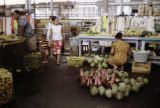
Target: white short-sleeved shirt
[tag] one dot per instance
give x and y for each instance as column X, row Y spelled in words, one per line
column 56, row 32
column 47, row 30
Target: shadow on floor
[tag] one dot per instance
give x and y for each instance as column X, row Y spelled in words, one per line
column 57, row 87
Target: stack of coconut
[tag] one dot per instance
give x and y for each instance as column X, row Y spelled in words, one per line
column 6, row 86
column 99, row 82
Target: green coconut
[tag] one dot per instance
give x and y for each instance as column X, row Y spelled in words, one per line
column 114, row 89
column 90, row 60
column 132, row 81
column 101, row 59
column 136, row 87
column 139, row 79
column 94, row 91
column 122, row 87
column 126, row 81
column 106, row 56
column 126, row 93
column 101, row 90
column 119, row 96
column 146, row 81
column 108, row 93
column 92, row 64
column 99, row 66
column 105, row 59
column 95, row 61
column 110, row 71
column 104, row 65
column 125, row 74
column 120, row 74
column 129, row 87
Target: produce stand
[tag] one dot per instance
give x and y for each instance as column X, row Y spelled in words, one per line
column 136, row 40
column 148, row 40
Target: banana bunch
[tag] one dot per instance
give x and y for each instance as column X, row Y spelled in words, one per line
column 32, row 61
column 9, row 38
column 133, row 33
column 6, row 86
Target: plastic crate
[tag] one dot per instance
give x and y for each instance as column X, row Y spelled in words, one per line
column 141, row 56
column 73, row 41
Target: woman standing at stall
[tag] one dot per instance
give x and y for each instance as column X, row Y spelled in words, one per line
column 56, row 39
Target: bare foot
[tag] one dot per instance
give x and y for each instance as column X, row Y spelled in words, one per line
column 115, row 67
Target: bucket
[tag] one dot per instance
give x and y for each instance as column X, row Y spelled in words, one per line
column 32, row 43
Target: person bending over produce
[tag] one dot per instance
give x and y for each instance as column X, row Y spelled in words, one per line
column 24, row 27
column 119, row 52
column 44, row 48
column 57, row 37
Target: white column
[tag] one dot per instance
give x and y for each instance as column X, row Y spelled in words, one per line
column 51, row 7
column 121, row 6
column 28, row 5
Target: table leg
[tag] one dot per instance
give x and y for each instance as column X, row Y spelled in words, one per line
column 137, row 45
column 80, row 47
column 143, row 45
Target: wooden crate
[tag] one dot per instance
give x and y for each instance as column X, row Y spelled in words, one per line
column 141, row 67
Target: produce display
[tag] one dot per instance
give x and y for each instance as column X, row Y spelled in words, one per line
column 74, row 61
column 109, row 83
column 6, row 86
column 32, row 61
column 135, row 33
column 97, row 61
column 9, row 40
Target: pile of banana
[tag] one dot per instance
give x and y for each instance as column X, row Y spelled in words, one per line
column 6, row 86
column 32, row 61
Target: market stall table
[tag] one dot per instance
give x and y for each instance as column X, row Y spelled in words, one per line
column 148, row 40
column 80, row 38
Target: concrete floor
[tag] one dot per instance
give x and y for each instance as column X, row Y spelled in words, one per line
column 57, row 87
